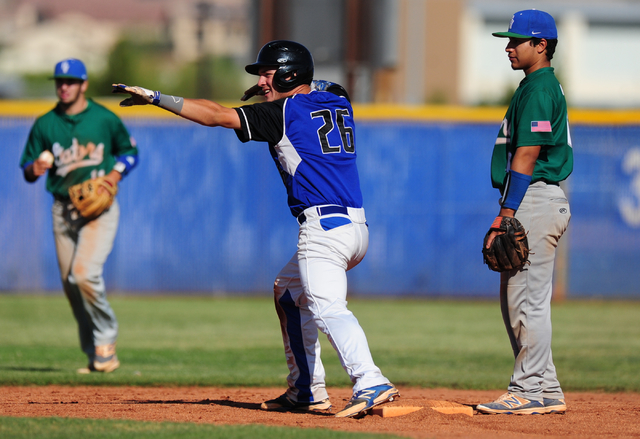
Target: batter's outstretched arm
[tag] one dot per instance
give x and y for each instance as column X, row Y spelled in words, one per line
column 210, row 114
column 201, row 111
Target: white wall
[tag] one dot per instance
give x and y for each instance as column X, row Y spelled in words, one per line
column 597, row 59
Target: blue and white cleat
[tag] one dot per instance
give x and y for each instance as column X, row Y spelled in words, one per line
column 510, row 404
column 368, row 398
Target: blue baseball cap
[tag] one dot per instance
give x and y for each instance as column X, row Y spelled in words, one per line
column 531, row 23
column 70, row 68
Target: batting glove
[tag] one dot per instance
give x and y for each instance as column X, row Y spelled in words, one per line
column 139, row 95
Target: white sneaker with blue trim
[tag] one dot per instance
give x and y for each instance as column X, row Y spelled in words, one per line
column 368, row 398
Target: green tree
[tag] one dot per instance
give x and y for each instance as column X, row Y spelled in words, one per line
column 151, row 65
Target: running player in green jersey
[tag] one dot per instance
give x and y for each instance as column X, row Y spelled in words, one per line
column 532, row 155
column 87, row 141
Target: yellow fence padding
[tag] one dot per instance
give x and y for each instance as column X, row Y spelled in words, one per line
column 380, row 112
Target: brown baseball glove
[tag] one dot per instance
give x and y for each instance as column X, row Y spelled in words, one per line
column 89, row 200
column 509, row 250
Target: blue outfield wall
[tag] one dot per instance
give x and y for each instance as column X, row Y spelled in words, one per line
column 205, row 213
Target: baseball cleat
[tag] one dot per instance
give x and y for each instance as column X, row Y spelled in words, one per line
column 86, row 370
column 105, row 360
column 285, row 404
column 368, row 398
column 105, row 367
column 554, row 405
column 510, row 404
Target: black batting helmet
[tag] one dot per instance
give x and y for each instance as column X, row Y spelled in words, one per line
column 293, row 63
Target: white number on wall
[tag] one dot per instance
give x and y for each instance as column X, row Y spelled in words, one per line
column 630, row 202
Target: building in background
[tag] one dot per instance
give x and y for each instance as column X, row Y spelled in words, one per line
column 442, row 51
column 35, row 34
column 595, row 59
column 383, row 51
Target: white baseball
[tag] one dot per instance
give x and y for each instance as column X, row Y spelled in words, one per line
column 47, row 157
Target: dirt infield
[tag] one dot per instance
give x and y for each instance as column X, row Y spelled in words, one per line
column 589, row 415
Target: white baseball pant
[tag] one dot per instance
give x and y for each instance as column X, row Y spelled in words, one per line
column 310, row 295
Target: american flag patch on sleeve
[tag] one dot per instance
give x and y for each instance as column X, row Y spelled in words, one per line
column 541, row 126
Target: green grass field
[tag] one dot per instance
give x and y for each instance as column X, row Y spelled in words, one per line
column 63, row 428
column 236, row 342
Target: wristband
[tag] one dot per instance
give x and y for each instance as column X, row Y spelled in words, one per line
column 516, row 187
column 121, row 167
column 171, row 103
column 156, row 98
column 125, row 163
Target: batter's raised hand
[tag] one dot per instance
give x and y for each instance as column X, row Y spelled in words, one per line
column 139, row 95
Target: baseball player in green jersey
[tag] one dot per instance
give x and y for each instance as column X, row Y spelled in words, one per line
column 84, row 141
column 532, row 155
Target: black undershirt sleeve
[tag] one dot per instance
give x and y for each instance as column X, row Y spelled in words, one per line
column 261, row 122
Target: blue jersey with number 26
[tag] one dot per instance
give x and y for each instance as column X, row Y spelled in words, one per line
column 312, row 141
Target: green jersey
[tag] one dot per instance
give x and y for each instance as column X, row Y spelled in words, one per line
column 537, row 116
column 85, row 145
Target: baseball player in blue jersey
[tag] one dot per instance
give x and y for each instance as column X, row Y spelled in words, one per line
column 79, row 141
column 311, row 137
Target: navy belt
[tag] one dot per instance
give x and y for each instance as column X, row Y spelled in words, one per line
column 552, row 183
column 325, row 210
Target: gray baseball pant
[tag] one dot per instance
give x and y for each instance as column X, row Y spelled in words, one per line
column 82, row 248
column 525, row 295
